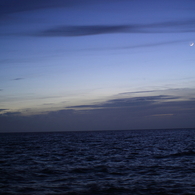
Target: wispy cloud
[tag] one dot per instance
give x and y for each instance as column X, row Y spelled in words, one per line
column 153, row 44
column 131, row 46
column 17, row 79
column 127, row 102
column 127, row 93
column 12, row 6
column 83, row 30
column 163, row 27
column 2, row 110
column 162, row 115
column 48, row 104
column 10, row 114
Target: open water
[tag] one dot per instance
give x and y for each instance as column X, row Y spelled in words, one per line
column 98, row 163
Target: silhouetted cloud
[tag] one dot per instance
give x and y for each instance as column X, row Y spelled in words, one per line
column 2, row 110
column 141, row 113
column 84, row 30
column 11, row 113
column 163, row 27
column 13, row 6
column 127, row 102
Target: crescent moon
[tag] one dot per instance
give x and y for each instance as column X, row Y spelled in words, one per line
column 191, row 44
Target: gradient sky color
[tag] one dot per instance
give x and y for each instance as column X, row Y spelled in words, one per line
column 96, row 64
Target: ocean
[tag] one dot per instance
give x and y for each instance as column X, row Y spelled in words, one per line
column 98, row 163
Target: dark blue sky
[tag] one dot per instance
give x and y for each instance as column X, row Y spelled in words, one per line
column 96, row 64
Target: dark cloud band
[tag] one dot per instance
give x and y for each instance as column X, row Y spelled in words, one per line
column 17, row 79
column 3, row 110
column 127, row 102
column 164, row 27
column 83, row 30
column 13, row 6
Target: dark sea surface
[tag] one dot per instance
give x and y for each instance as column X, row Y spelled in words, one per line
column 101, row 162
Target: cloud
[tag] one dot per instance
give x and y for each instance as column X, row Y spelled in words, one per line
column 84, row 30
column 134, row 47
column 152, row 44
column 3, row 110
column 163, row 27
column 162, row 115
column 13, row 6
column 17, row 79
column 128, row 93
column 127, row 102
column 141, row 113
column 11, row 113
column 47, row 104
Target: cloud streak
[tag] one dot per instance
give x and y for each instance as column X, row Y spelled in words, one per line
column 127, row 102
column 17, row 79
column 12, row 6
column 84, row 30
column 135, row 92
column 163, row 27
column 2, row 110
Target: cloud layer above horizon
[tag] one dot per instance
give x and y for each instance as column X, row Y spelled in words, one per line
column 147, row 112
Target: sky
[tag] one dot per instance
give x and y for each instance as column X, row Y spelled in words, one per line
column 71, row 65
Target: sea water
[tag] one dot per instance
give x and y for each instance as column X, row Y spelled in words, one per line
column 100, row 162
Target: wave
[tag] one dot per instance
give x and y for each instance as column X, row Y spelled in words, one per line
column 178, row 154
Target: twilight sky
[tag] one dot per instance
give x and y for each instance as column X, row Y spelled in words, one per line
column 96, row 64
